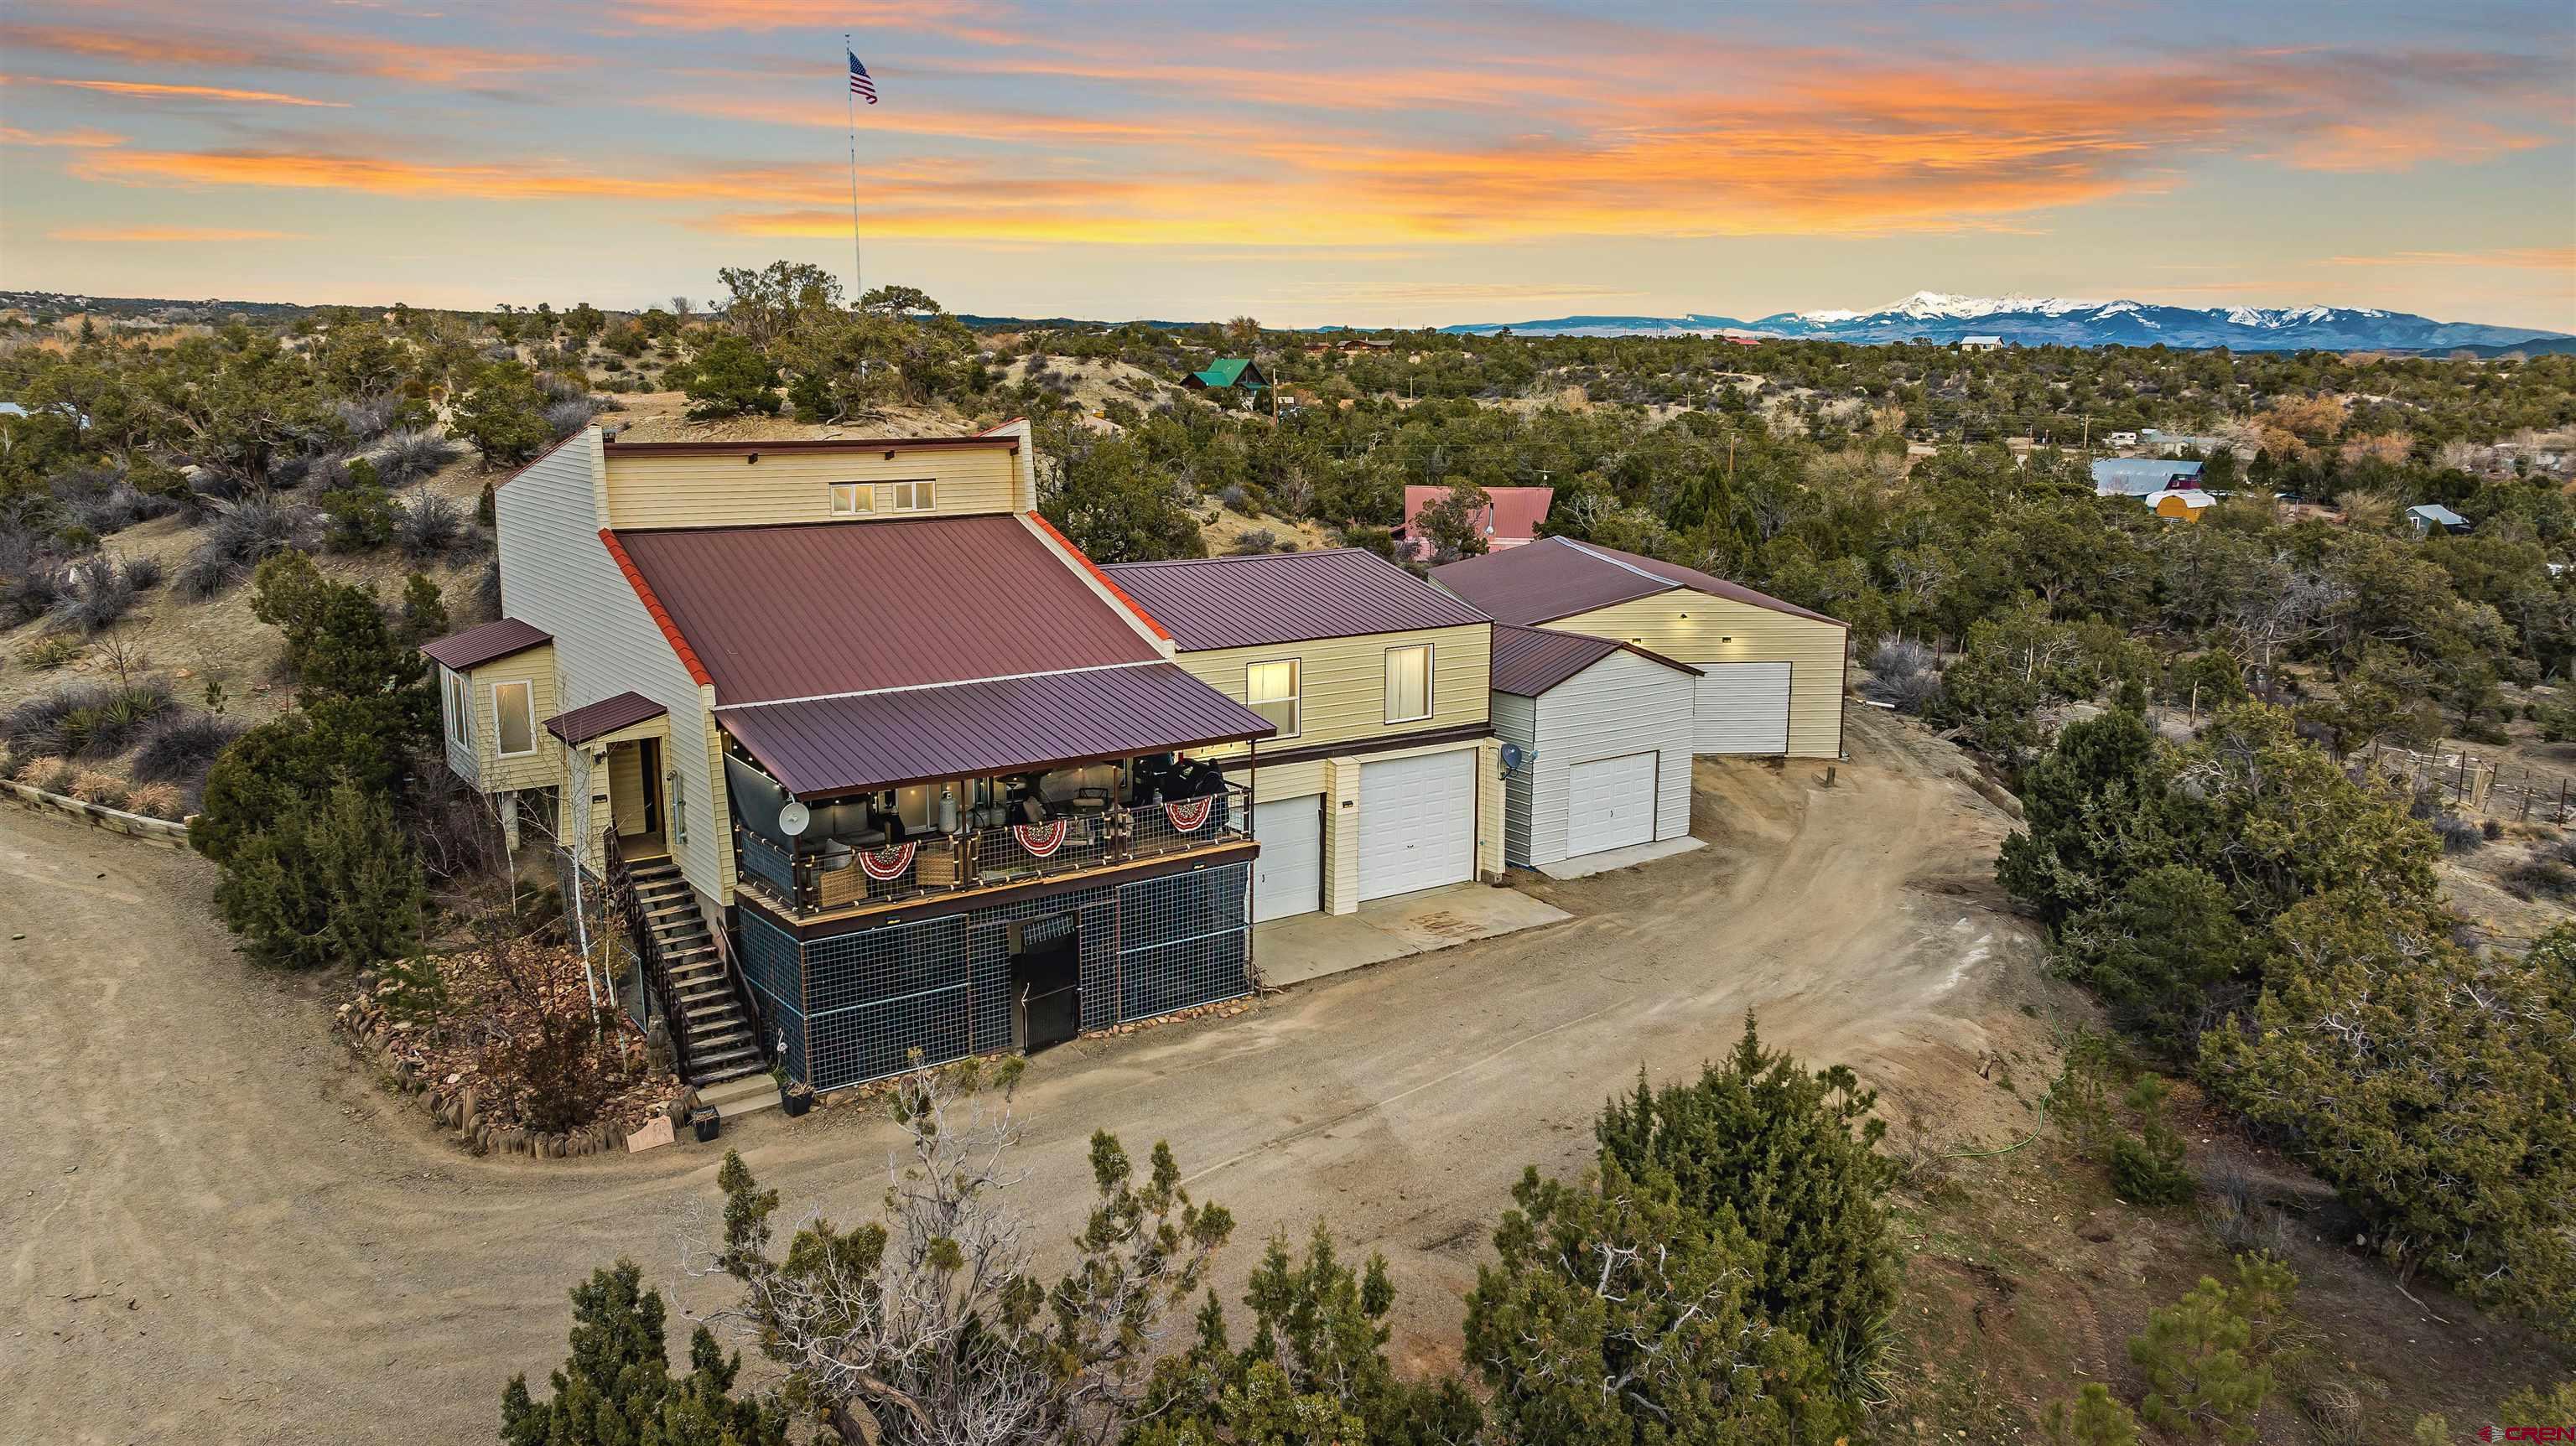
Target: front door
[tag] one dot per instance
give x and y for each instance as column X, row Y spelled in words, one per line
column 635, row 787
column 1046, row 980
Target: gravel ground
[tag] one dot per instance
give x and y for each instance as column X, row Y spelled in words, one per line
column 220, row 1231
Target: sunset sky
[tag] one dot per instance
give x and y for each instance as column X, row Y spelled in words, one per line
column 1371, row 164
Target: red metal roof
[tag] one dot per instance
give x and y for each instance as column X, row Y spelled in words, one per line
column 1513, row 514
column 1557, row 577
column 828, row 746
column 1098, row 576
column 810, row 611
column 1286, row 597
column 474, row 647
column 1529, row 661
column 582, row 724
column 653, row 606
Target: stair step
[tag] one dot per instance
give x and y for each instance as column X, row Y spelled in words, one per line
column 737, row 1074
column 728, row 1063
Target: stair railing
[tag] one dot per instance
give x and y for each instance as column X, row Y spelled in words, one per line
column 657, row 975
column 740, row 983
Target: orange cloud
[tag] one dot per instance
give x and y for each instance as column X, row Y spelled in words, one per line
column 83, row 139
column 960, row 21
column 148, row 90
column 169, row 233
column 2561, row 259
column 313, row 51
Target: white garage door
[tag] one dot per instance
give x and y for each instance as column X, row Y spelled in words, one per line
column 1610, row 804
column 1743, row 708
column 1288, row 878
column 1417, row 823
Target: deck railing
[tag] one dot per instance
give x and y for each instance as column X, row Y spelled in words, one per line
column 811, row 881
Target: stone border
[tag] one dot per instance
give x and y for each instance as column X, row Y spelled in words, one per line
column 363, row 1024
column 159, row 831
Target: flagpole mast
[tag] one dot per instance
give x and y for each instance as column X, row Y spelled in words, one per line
column 858, row 262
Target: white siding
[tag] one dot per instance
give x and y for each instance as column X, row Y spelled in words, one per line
column 1744, row 708
column 453, row 688
column 558, row 575
column 1621, row 705
column 1516, row 721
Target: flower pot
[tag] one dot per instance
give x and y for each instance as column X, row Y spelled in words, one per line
column 795, row 1101
column 705, row 1122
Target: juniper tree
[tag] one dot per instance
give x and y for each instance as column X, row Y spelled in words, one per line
column 616, row 1388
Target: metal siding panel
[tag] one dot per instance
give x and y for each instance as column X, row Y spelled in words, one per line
column 1743, row 709
column 1342, row 682
column 1288, row 877
column 1622, row 705
column 1705, row 631
column 1417, row 823
column 1241, row 602
column 680, row 489
column 1516, row 721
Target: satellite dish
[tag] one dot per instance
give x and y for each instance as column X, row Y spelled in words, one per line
column 793, row 817
column 1513, row 757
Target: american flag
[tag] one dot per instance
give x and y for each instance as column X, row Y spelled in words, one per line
column 859, row 83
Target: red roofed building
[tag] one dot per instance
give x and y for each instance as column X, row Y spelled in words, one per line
column 1509, row 518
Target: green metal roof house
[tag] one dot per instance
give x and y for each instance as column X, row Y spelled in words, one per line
column 1231, row 371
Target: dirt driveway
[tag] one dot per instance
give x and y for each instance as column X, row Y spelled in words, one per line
column 218, row 1231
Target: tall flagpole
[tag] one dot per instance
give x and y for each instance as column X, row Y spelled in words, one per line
column 850, row 104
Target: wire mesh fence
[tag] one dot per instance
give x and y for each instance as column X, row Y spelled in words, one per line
column 2465, row 783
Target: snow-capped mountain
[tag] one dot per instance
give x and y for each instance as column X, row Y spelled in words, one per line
column 1938, row 316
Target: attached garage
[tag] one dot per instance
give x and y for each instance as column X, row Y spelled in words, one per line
column 1743, row 708
column 1417, row 825
column 1605, row 733
column 1772, row 672
column 1288, row 878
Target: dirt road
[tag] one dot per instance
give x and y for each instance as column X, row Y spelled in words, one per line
column 218, row 1231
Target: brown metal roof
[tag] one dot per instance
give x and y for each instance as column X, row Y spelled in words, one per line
column 810, row 611
column 830, row 746
column 582, row 724
column 1286, row 597
column 474, row 647
column 1557, row 577
column 1529, row 661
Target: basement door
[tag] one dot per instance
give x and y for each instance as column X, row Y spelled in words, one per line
column 1742, row 708
column 1288, row 878
column 1417, row 823
column 1046, row 980
column 1610, row 804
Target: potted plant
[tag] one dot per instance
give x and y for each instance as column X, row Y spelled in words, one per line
column 793, row 1097
column 705, row 1121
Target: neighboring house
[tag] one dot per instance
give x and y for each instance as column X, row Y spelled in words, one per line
column 2140, row 476
column 1232, row 371
column 1981, row 343
column 1383, row 777
column 2185, row 503
column 871, row 760
column 1509, row 518
column 1606, row 735
column 1772, row 673
column 2430, row 517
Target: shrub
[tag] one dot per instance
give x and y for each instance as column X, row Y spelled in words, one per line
column 2491, row 830
column 565, row 418
column 182, row 746
column 36, row 727
column 240, row 536
column 430, row 528
column 410, row 456
column 617, row 1383
column 154, row 800
column 49, row 652
column 329, row 885
column 2147, row 1168
column 2205, row 1358
column 1254, row 542
column 2458, row 835
column 120, row 717
column 364, row 418
column 142, row 574
column 91, row 785
column 31, row 582
column 1902, row 674
column 96, row 595
column 53, row 776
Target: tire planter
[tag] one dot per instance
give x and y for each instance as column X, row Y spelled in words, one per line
column 705, row 1122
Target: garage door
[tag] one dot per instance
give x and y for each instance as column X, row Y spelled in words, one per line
column 1743, row 708
column 1288, row 878
column 1417, row 823
column 1610, row 804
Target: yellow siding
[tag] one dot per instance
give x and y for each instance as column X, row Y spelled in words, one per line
column 1341, row 685
column 626, row 787
column 722, row 490
column 1693, row 627
column 544, row 767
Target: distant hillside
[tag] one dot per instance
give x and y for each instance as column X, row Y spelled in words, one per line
column 1940, row 318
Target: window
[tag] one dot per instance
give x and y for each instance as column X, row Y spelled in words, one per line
column 514, row 718
column 679, row 809
column 1408, row 683
column 1270, row 689
column 460, row 710
column 850, row 499
column 903, row 497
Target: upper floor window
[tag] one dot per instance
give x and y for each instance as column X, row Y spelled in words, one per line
column 903, row 497
column 514, row 718
column 851, row 499
column 1270, row 689
column 1408, row 683
column 460, row 710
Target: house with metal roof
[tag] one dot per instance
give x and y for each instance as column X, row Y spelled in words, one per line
column 1771, row 673
column 2141, row 476
column 863, row 759
column 1598, row 736
column 2428, row 518
column 1231, row 371
column 1509, row 517
column 1384, row 775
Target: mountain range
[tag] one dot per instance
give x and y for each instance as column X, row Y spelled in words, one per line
column 2060, row 321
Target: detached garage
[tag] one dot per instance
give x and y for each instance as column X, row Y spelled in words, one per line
column 1606, row 732
column 1771, row 673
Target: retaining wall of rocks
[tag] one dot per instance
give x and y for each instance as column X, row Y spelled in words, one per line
column 459, row 1108
column 98, row 815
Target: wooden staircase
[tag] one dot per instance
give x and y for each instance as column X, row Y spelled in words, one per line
column 720, row 1043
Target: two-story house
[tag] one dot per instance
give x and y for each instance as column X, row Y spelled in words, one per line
column 873, row 761
column 1382, row 777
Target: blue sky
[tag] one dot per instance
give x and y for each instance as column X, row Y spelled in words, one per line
column 1319, row 163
